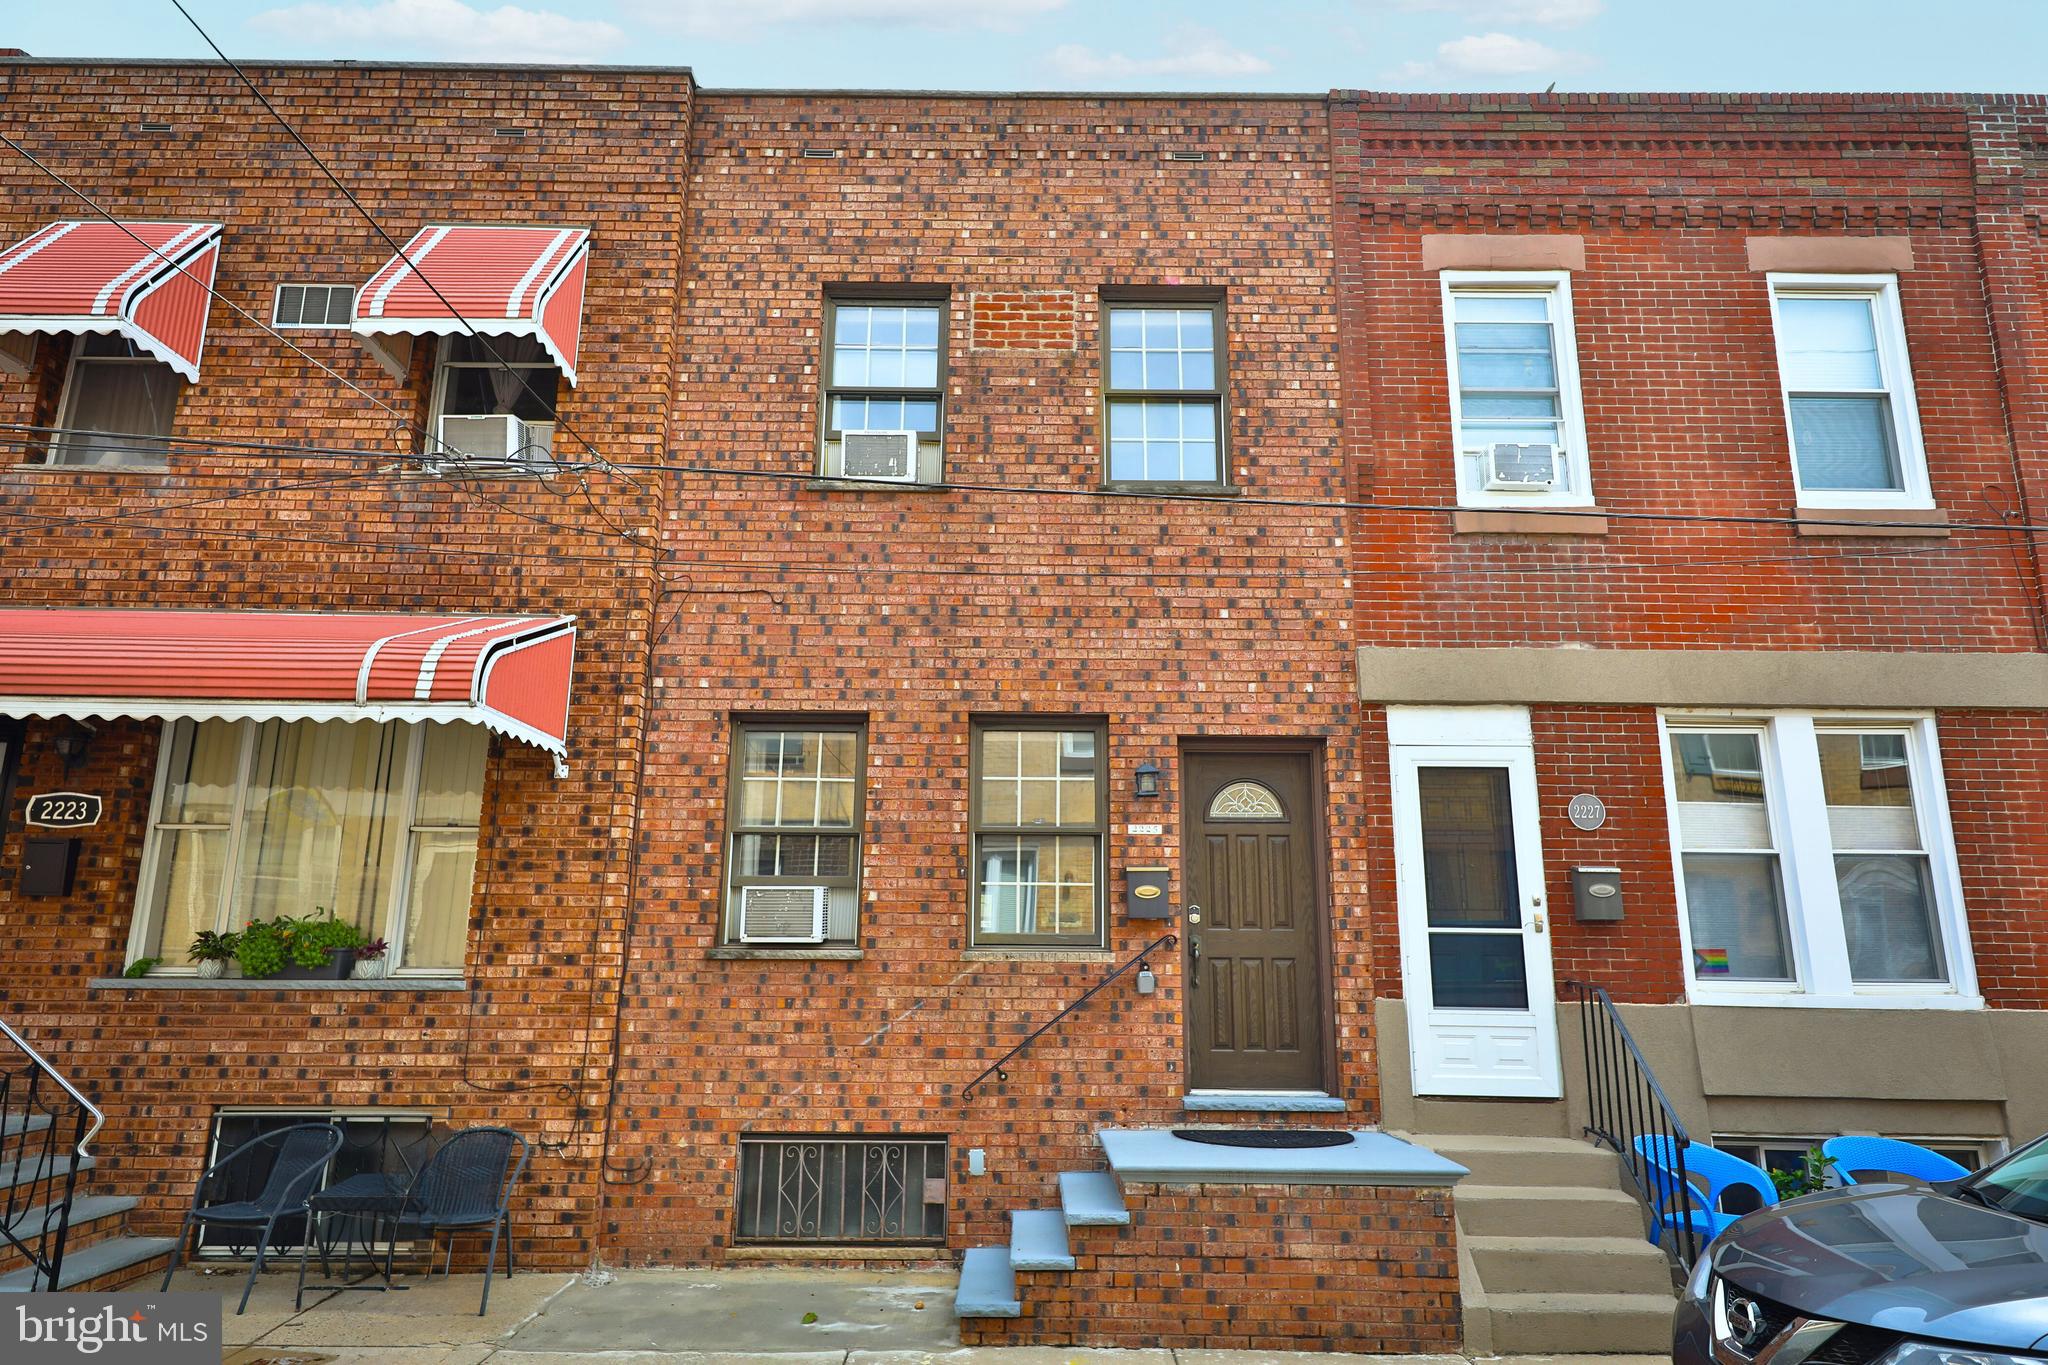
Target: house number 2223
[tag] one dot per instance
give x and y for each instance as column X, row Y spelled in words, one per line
column 63, row 810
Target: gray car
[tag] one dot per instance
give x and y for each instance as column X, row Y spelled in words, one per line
column 1948, row 1274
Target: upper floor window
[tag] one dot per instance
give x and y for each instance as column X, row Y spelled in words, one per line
column 118, row 405
column 1849, row 405
column 1516, row 416
column 1164, row 395
column 372, row 824
column 1815, row 860
column 1039, row 813
column 494, row 399
column 794, row 821
column 885, row 392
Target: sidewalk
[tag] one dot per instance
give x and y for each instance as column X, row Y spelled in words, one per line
column 671, row 1317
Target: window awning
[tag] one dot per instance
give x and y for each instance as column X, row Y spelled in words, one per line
column 96, row 277
column 507, row 673
column 504, row 281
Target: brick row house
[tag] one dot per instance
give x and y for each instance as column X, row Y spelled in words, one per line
column 1283, row 594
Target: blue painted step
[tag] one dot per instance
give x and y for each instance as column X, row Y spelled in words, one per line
column 1038, row 1240
column 988, row 1287
column 1091, row 1199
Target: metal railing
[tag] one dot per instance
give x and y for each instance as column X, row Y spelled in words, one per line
column 44, row 1127
column 842, row 1191
column 1625, row 1105
column 998, row 1069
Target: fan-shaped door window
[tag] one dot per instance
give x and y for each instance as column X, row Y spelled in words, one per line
column 1246, row 801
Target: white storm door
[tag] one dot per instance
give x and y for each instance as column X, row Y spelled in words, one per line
column 1475, row 947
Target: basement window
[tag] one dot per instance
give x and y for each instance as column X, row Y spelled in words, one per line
column 373, row 1142
column 842, row 1191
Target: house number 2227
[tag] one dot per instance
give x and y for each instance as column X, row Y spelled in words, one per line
column 63, row 810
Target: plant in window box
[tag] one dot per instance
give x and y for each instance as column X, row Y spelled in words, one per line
column 373, row 961
column 211, row 952
column 310, row 948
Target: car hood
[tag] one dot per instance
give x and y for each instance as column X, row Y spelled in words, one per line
column 1902, row 1258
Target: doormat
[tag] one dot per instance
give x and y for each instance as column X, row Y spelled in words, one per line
column 1266, row 1137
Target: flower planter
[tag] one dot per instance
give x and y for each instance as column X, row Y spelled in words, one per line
column 340, row 962
column 370, row 968
column 209, row 970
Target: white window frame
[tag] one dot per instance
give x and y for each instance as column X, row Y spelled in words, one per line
column 1797, row 804
column 437, row 402
column 140, row 921
column 67, row 404
column 1894, row 363
column 1555, row 286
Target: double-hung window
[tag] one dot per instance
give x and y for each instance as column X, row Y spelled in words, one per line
column 1814, row 860
column 1517, row 423
column 1164, row 395
column 372, row 824
column 1849, row 404
column 1040, row 808
column 793, row 868
column 886, row 387
column 118, row 405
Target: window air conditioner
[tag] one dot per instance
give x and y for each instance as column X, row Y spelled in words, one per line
column 498, row 439
column 890, row 455
column 1529, row 468
column 782, row 914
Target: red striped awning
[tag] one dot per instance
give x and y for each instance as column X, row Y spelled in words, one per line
column 503, row 281
column 149, row 282
column 508, row 673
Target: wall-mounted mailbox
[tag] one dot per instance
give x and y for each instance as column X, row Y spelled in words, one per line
column 1596, row 893
column 1145, row 894
column 48, row 866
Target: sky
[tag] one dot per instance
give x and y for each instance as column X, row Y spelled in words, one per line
column 1285, row 45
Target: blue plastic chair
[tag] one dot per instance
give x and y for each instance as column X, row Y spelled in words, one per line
column 1877, row 1157
column 1684, row 1203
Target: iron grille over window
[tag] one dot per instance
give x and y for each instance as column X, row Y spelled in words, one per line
column 843, row 1190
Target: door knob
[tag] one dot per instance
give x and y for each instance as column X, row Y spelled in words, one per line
column 1538, row 924
column 1194, row 961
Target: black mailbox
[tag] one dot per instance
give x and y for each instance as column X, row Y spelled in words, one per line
column 1145, row 894
column 1596, row 894
column 48, row 867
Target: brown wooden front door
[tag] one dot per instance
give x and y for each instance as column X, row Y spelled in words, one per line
column 1253, row 946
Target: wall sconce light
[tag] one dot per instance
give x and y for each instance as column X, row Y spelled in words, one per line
column 71, row 746
column 1147, row 779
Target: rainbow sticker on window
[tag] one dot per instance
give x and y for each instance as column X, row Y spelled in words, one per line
column 1710, row 962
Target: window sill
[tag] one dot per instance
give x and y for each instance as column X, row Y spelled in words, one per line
column 1871, row 521
column 243, row 983
column 46, row 467
column 826, row 484
column 1529, row 521
column 1780, row 1000
column 737, row 953
column 1021, row 954
column 1179, row 490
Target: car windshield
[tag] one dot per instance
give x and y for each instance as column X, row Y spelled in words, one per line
column 2019, row 1184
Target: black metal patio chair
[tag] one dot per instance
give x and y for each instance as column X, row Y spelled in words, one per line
column 466, row 1184
column 302, row 1153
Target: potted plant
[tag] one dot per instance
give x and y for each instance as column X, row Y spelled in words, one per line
column 372, row 961
column 211, row 952
column 314, row 947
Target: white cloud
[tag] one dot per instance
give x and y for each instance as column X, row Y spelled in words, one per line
column 446, row 30
column 1489, row 56
column 1191, row 54
column 1540, row 13
column 749, row 18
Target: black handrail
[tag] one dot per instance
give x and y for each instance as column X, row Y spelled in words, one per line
column 997, row 1071
column 44, row 1126
column 1625, row 1103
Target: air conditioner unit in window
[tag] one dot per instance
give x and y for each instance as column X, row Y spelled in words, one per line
column 890, row 455
column 782, row 914
column 499, row 439
column 1530, row 468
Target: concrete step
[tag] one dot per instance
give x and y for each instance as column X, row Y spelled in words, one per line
column 14, row 1122
column 1569, row 1265
column 1509, row 1118
column 1038, row 1240
column 1092, row 1199
column 31, row 1168
column 1579, row 1324
column 988, row 1286
column 98, row 1261
column 1540, row 1211
column 86, row 1210
column 1498, row 1160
